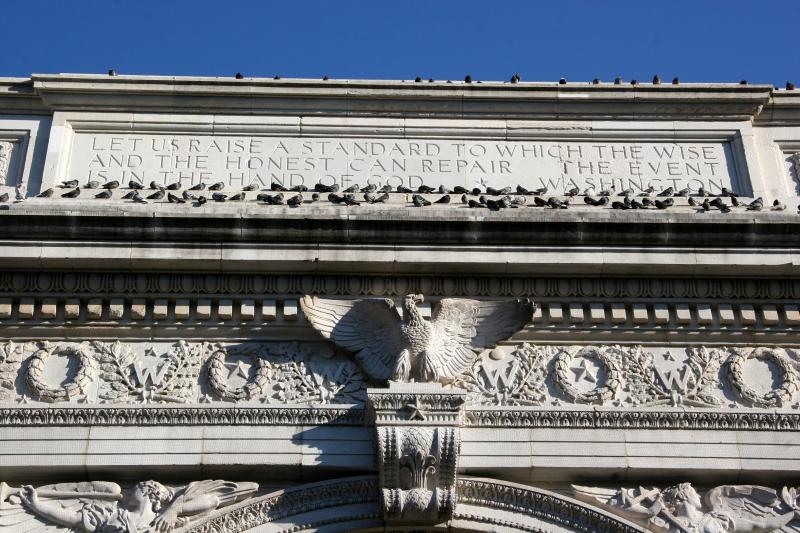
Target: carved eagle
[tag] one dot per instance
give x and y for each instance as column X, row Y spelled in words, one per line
column 411, row 348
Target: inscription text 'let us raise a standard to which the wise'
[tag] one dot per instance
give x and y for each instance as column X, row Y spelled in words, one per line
column 242, row 160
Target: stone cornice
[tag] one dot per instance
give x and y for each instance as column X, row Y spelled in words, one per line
column 400, row 98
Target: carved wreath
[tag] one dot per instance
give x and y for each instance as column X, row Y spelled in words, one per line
column 776, row 397
column 600, row 394
column 72, row 388
column 218, row 381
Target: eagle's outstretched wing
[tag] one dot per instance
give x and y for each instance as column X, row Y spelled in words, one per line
column 370, row 328
column 461, row 327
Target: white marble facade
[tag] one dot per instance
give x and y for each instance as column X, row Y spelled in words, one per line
column 280, row 305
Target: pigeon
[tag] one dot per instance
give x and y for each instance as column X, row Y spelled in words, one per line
column 219, row 197
column 591, row 201
column 683, row 192
column 45, row 194
column 158, row 195
column 251, row 187
column 319, row 187
column 522, row 190
column 350, row 199
column 706, row 205
column 238, row 197
column 626, row 192
column 608, row 192
column 175, row 199
column 756, row 205
column 135, row 185
column 373, row 199
column 174, row 186
column 137, row 198
column 111, row 185
column 335, row 198
column 217, row 186
column 296, row 188
column 495, row 205
column 692, row 202
column 588, row 191
column 538, row 202
column 573, row 192
column 72, row 194
column 701, row 192
column 539, row 192
column 443, row 190
column 404, row 189
column 352, row 188
column 201, row 200
column 295, row 201
column 474, row 204
column 419, row 201
column 516, row 201
column 199, row 187
column 315, row 197
column 188, row 196
column 735, row 201
column 727, row 192
column 663, row 204
column 156, row 185
column 720, row 204
column 103, row 195
column 635, row 204
column 777, row 205
column 443, row 200
column 71, row 184
column 666, row 192
column 555, row 203
column 647, row 202
column 476, row 192
column 424, row 189
column 458, row 189
column 500, row 192
column 91, row 184
column 648, row 191
column 626, row 204
column 369, row 188
column 130, row 194
column 385, row 189
column 4, row 197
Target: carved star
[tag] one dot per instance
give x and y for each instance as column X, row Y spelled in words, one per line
column 416, row 412
column 585, row 372
column 238, row 369
column 668, row 356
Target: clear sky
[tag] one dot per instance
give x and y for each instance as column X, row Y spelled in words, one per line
column 698, row 40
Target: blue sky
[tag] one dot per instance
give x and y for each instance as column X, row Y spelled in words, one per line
column 699, row 40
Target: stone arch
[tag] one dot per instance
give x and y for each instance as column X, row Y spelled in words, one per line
column 352, row 505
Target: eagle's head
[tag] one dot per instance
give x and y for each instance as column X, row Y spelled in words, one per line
column 410, row 306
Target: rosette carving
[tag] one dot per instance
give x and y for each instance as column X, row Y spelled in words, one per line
column 75, row 386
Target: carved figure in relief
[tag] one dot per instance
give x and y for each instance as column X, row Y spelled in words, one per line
column 679, row 508
column 411, row 348
column 5, row 161
column 103, row 507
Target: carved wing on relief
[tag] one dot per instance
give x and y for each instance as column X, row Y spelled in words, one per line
column 751, row 508
column 369, row 328
column 461, row 328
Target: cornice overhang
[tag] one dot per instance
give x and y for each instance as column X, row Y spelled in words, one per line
column 17, row 96
column 783, row 109
column 529, row 100
column 221, row 237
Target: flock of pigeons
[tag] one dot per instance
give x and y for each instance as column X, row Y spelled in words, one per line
column 490, row 198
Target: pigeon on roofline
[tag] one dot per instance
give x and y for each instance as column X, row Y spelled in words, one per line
column 217, row 186
column 297, row 188
column 443, row 200
column 174, row 186
column 72, row 194
column 219, row 197
column 777, row 205
column 319, row 187
column 103, row 195
column 539, row 202
column 683, row 193
column 114, row 184
column 295, row 201
column 458, row 189
column 92, row 184
column 45, row 194
column 756, row 205
column 666, row 192
column 352, row 188
column 419, row 201
column 404, row 189
column 158, row 195
column 591, row 201
column 175, row 199
column 664, row 204
column 573, row 192
column 199, row 187
column 608, row 192
column 374, row 199
column 135, row 185
column 70, row 184
column 424, row 189
column 4, row 197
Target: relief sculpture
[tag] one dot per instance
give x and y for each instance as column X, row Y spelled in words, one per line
column 681, row 509
column 411, row 348
column 104, row 507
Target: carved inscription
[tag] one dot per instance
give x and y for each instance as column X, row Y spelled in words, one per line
column 558, row 165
